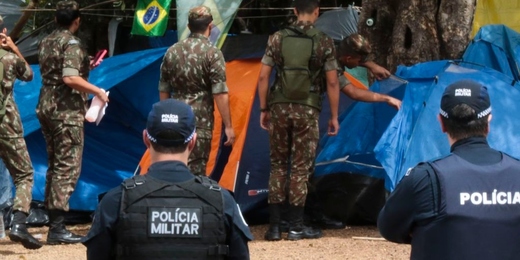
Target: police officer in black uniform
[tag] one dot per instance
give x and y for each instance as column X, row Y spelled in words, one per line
column 168, row 213
column 465, row 205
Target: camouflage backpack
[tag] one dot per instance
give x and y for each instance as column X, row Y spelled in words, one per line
column 296, row 79
column 2, row 97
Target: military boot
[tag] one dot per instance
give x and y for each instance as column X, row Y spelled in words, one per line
column 274, row 233
column 19, row 232
column 58, row 233
column 297, row 230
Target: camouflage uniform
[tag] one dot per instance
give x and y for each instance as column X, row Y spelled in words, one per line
column 193, row 70
column 61, row 112
column 13, row 150
column 343, row 81
column 293, row 128
column 359, row 45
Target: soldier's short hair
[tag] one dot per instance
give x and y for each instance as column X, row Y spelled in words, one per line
column 199, row 18
column 354, row 45
column 67, row 12
column 306, row 6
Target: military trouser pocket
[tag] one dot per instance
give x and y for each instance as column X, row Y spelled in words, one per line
column 72, row 132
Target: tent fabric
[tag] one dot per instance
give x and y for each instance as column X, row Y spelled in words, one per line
column 361, row 126
column 496, row 47
column 338, row 23
column 244, row 168
column 497, row 12
column 414, row 135
column 114, row 147
column 241, row 80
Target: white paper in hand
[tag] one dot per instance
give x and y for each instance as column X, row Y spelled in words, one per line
column 97, row 110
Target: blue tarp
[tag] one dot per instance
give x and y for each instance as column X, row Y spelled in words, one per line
column 496, row 47
column 361, row 126
column 114, row 147
column 414, row 134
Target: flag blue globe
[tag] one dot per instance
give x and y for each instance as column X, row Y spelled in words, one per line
column 151, row 15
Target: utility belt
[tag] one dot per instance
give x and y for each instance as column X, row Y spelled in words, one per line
column 312, row 100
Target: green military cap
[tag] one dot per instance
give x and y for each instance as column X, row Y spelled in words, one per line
column 199, row 12
column 359, row 44
column 61, row 5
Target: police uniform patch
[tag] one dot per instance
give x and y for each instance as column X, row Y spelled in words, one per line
column 175, row 222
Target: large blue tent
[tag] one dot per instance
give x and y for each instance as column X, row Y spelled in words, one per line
column 414, row 134
column 378, row 143
column 114, row 147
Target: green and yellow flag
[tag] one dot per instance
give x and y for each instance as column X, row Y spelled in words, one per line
column 151, row 17
column 223, row 12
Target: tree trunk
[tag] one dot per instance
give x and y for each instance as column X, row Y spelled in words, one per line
column 18, row 27
column 412, row 31
column 455, row 22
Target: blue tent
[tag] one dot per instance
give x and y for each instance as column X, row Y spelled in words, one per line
column 348, row 181
column 378, row 143
column 414, row 135
column 496, row 47
column 114, row 147
column 361, row 126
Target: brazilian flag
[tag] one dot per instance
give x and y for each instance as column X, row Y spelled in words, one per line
column 151, row 17
column 223, row 12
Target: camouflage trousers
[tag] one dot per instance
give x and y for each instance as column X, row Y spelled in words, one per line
column 293, row 137
column 13, row 152
column 199, row 156
column 64, row 143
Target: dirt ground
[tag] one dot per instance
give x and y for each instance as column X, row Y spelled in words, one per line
column 349, row 243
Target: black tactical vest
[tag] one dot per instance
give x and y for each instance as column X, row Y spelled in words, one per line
column 159, row 220
column 478, row 211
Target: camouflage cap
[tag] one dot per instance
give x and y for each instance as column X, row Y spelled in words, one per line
column 61, row 5
column 359, row 44
column 199, row 12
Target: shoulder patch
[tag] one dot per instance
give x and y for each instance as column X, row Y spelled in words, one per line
column 408, row 171
column 73, row 41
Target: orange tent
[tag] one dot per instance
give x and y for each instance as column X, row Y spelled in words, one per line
column 242, row 76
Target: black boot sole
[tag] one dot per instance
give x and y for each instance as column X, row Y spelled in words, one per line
column 294, row 237
column 59, row 242
column 272, row 237
column 25, row 242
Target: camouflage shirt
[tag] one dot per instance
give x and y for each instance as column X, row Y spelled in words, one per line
column 193, row 70
column 61, row 54
column 14, row 68
column 343, row 81
column 325, row 54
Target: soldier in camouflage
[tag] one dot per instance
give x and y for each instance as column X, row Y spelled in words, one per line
column 293, row 127
column 352, row 52
column 194, row 71
column 64, row 67
column 13, row 150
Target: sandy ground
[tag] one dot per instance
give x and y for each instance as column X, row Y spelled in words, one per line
column 349, row 243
